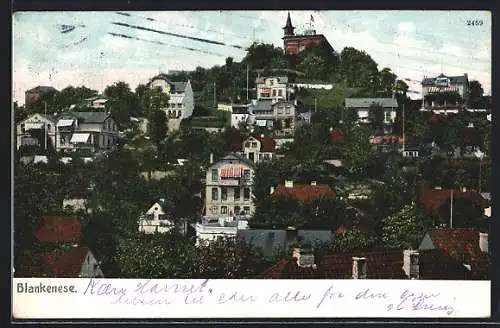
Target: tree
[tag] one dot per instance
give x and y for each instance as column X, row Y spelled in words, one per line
column 358, row 69
column 405, row 229
column 387, row 81
column 475, row 95
column 376, row 117
column 357, row 151
column 158, row 126
column 348, row 242
column 122, row 102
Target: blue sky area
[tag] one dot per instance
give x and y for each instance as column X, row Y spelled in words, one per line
column 98, row 48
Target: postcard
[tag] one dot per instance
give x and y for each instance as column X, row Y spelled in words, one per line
column 251, row 164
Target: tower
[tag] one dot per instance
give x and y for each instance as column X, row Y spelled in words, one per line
column 288, row 29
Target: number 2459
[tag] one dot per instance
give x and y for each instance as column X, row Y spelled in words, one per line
column 474, row 22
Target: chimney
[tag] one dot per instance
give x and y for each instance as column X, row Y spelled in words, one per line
column 288, row 184
column 271, row 190
column 304, row 256
column 359, row 268
column 313, row 183
column 483, row 242
column 291, row 236
column 262, row 136
column 410, row 263
column 162, row 200
column 211, row 158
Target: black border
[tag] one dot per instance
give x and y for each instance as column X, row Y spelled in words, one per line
column 150, row 5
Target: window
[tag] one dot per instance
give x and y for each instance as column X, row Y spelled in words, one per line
column 162, row 217
column 246, row 209
column 215, row 194
column 223, row 193
column 223, row 210
column 274, row 92
column 280, row 93
column 23, row 130
column 236, row 210
column 215, row 175
column 246, row 174
column 247, row 144
column 48, row 127
column 246, row 193
column 236, row 193
column 388, row 117
column 254, row 144
column 287, row 111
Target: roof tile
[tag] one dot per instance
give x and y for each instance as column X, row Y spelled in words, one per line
column 304, row 192
column 57, row 229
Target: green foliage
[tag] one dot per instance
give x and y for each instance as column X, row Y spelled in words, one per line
column 376, row 117
column 358, row 69
column 350, row 241
column 170, row 256
column 405, row 229
column 158, row 126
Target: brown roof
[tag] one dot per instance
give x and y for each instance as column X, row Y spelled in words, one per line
column 457, row 242
column 433, row 199
column 57, row 229
column 380, row 265
column 64, row 264
column 305, row 192
column 267, row 144
column 433, row 264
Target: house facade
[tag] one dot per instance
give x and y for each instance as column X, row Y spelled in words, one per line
column 445, row 94
column 91, row 131
column 272, row 88
column 181, row 102
column 155, row 219
column 228, row 189
column 285, row 117
column 262, row 113
column 259, row 148
column 362, row 108
column 36, row 130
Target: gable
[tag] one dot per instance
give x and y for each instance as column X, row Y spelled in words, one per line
column 426, row 243
column 156, row 208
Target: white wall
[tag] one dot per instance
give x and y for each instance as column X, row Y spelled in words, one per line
column 90, row 268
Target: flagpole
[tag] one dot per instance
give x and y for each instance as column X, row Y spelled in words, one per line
column 45, row 126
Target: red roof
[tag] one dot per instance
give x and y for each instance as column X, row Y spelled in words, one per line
column 305, row 192
column 462, row 241
column 336, row 136
column 57, row 229
column 267, row 144
column 433, row 264
column 433, row 199
column 64, row 264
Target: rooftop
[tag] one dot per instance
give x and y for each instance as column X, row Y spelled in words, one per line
column 367, row 102
column 57, row 229
column 62, row 263
column 304, row 192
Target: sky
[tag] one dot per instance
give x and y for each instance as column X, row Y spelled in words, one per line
column 97, row 49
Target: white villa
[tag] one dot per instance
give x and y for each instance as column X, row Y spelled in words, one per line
column 181, row 102
column 155, row 219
